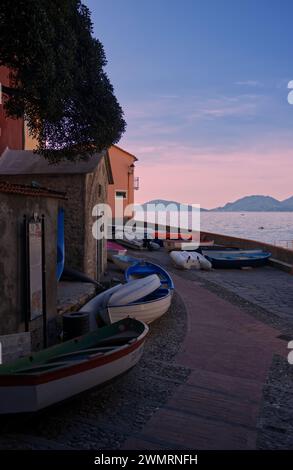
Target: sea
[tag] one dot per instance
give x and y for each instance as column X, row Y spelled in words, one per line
column 270, row 227
column 275, row 228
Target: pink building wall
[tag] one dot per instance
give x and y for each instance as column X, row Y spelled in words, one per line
column 122, row 164
column 11, row 130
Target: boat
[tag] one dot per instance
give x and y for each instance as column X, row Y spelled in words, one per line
column 98, row 304
column 62, row 371
column 60, row 244
column 121, row 294
column 171, row 245
column 124, row 261
column 147, row 309
column 138, row 244
column 237, row 258
column 181, row 261
column 183, row 236
column 190, row 259
column 145, row 268
column 135, row 289
column 114, row 248
column 134, row 244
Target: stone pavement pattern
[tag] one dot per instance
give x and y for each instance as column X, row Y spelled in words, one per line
column 229, row 353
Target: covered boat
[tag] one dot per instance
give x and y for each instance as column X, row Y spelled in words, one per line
column 59, row 372
column 190, row 259
column 145, row 268
column 236, row 258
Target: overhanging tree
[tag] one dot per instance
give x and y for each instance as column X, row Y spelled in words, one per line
column 58, row 82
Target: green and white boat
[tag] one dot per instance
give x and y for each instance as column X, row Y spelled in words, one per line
column 59, row 372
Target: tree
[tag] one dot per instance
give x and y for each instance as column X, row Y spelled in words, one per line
column 58, row 82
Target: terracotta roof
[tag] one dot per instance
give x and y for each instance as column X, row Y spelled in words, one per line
column 26, row 162
column 26, row 190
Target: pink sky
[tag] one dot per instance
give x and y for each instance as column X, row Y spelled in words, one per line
column 212, row 180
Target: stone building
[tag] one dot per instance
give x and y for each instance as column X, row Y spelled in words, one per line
column 18, row 204
column 85, row 184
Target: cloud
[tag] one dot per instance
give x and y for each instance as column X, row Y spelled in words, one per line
column 252, row 83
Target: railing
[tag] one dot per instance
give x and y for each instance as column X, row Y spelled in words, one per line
column 136, row 183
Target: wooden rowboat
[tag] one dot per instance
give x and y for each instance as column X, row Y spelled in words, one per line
column 147, row 309
column 62, row 371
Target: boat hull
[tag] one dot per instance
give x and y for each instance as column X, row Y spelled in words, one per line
column 238, row 259
column 67, row 369
column 31, row 398
column 143, row 311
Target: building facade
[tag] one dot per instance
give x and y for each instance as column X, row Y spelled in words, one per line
column 121, row 193
column 11, row 130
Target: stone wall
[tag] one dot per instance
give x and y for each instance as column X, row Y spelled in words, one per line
column 14, row 346
column 96, row 193
column 74, row 186
column 13, row 207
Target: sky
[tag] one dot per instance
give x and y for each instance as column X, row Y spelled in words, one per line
column 204, row 87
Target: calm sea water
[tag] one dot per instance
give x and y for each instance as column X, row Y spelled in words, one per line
column 271, row 227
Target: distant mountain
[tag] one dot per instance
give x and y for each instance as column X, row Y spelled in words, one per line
column 244, row 204
column 257, row 204
column 287, row 204
column 166, row 202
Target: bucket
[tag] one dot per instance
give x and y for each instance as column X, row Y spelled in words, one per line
column 75, row 324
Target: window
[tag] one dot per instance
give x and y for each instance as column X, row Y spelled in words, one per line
column 120, row 194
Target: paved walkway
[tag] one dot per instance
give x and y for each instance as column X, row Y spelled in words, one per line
column 229, row 353
column 267, row 287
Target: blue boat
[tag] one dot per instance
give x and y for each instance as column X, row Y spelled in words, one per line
column 60, row 243
column 145, row 268
column 236, row 259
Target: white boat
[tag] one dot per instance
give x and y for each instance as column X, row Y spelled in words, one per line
column 188, row 260
column 121, row 294
column 147, row 310
column 135, row 290
column 57, row 373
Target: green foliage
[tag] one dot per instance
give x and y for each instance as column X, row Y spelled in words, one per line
column 58, row 82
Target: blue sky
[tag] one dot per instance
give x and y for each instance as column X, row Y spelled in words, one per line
column 203, row 84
